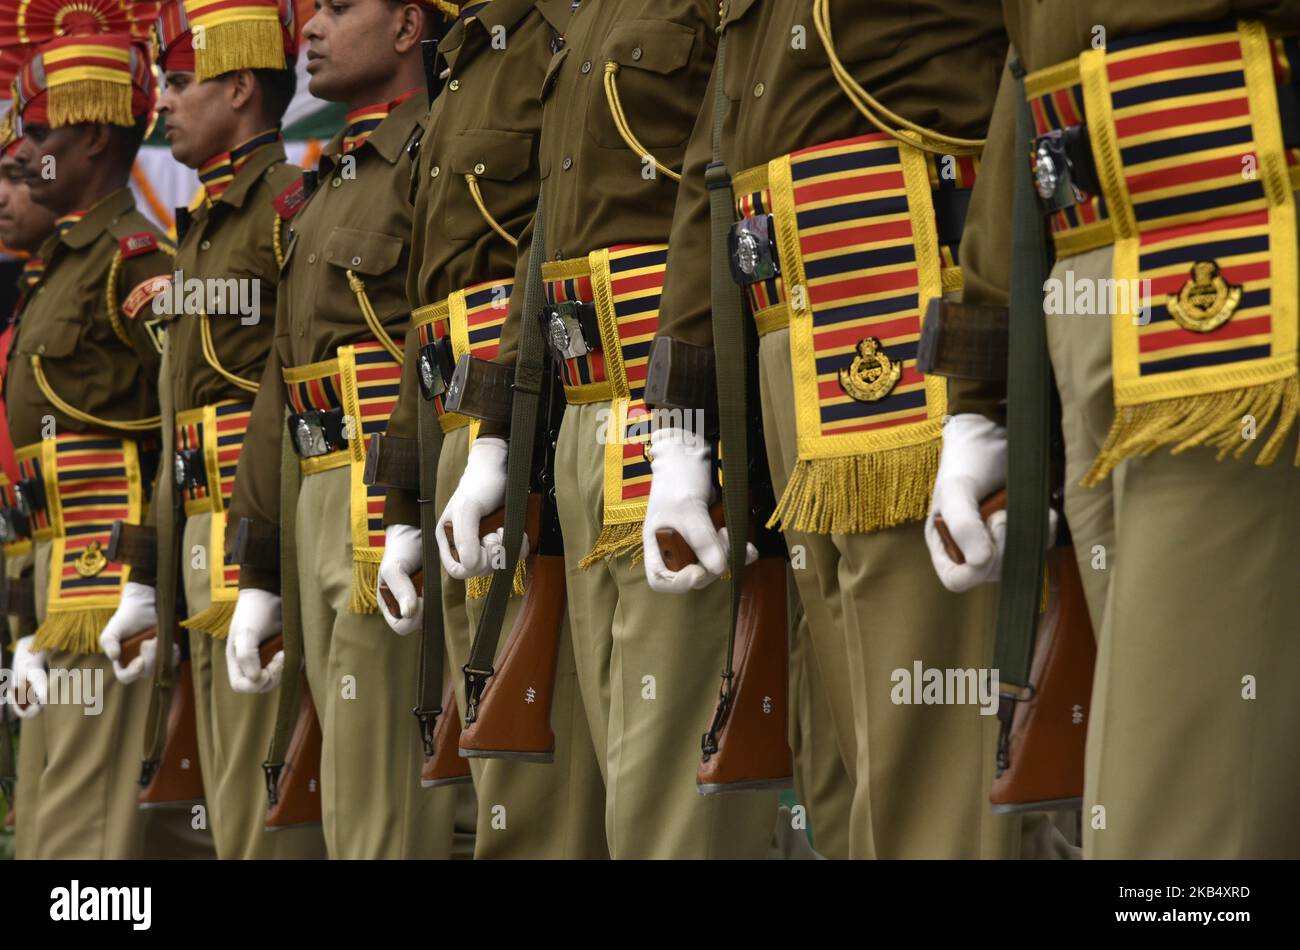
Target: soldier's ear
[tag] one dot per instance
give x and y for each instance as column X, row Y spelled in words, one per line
column 241, row 85
column 410, row 27
column 97, row 139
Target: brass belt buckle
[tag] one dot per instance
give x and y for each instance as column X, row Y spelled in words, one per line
column 563, row 330
column 753, row 251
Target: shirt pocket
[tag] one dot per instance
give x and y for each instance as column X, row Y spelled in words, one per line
column 651, row 85
column 493, row 159
column 369, row 255
column 49, row 337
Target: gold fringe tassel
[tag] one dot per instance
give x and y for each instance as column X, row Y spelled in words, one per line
column 213, row 620
column 365, row 578
column 855, row 494
column 615, row 540
column 476, row 588
column 73, row 631
column 240, row 44
column 90, row 100
column 1215, row 420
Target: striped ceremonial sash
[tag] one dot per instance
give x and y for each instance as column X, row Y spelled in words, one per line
column 218, row 432
column 90, row 482
column 860, row 259
column 1184, row 125
column 585, row 379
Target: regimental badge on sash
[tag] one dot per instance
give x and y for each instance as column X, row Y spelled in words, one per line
column 91, row 561
column 872, row 375
column 1206, row 301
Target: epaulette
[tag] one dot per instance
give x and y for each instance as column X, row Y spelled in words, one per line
column 133, row 245
column 290, row 201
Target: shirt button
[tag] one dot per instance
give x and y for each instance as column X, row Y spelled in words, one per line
column 356, row 262
column 586, row 67
column 636, row 53
column 336, row 182
column 480, row 168
column 454, row 85
column 567, row 163
column 41, row 348
column 433, row 172
column 205, row 245
column 759, row 90
column 311, row 258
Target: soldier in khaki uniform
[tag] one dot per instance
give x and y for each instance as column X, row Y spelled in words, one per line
column 226, row 125
column 619, row 100
column 336, row 366
column 1179, row 422
column 24, row 226
column 848, row 220
column 82, row 403
column 476, row 186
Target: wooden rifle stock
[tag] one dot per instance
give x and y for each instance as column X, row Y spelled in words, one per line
column 297, row 792
column 445, row 766
column 753, row 745
column 1045, row 756
column 178, row 779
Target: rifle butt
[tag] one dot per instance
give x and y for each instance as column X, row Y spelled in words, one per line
column 445, row 766
column 514, row 715
column 298, row 800
column 1046, row 757
column 753, row 748
column 178, row 780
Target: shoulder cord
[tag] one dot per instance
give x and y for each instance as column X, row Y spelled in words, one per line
column 874, row 111
column 472, row 181
column 372, row 321
column 110, row 298
column 210, row 356
column 621, row 123
column 127, row 425
column 276, row 244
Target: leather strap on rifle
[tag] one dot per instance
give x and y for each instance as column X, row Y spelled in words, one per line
column 428, row 697
column 1028, row 434
column 286, row 712
column 167, row 504
column 730, row 367
column 529, row 369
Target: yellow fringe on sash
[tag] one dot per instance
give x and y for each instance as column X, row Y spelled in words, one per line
column 90, row 100
column 240, row 44
column 73, row 631
column 365, row 579
column 615, row 540
column 476, row 588
column 1216, row 420
column 856, row 494
column 213, row 620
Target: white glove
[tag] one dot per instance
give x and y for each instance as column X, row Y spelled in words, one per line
column 256, row 619
column 403, row 556
column 680, row 488
column 481, row 491
column 135, row 612
column 30, row 675
column 972, row 466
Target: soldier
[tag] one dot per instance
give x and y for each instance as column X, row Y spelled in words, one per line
column 1161, row 141
column 335, row 368
column 82, row 405
column 476, row 186
column 849, row 217
column 619, row 100
column 221, row 107
column 24, row 226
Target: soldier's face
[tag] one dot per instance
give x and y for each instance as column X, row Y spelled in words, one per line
column 197, row 117
column 24, row 225
column 351, row 46
column 55, row 164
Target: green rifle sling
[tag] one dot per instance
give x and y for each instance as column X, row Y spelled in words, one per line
column 429, row 685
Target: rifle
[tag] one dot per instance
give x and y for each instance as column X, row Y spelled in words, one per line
column 294, row 797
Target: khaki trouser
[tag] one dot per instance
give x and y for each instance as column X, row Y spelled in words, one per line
column 363, row 680
column 87, row 802
column 525, row 809
column 234, row 732
column 648, row 666
column 1189, row 566
column 822, row 783
column 922, row 772
column 31, row 745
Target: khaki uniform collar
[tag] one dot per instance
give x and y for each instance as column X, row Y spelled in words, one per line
column 97, row 220
column 251, row 173
column 390, row 138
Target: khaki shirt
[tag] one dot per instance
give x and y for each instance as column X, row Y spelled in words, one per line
column 1044, row 33
column 487, row 126
column 599, row 192
column 934, row 62
column 100, row 361
column 231, row 239
column 360, row 219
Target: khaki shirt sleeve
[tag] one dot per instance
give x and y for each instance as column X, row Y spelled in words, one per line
column 144, row 327
column 986, row 245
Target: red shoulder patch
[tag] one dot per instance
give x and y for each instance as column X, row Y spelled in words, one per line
column 290, row 201
column 133, row 245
